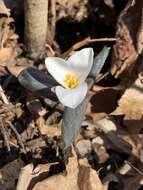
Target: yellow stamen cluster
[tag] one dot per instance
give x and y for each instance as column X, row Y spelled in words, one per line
column 71, row 81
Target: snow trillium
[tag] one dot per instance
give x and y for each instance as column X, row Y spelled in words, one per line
column 71, row 75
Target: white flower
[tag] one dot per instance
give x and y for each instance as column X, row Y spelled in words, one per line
column 71, row 75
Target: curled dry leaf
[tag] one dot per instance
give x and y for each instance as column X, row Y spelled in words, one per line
column 44, row 129
column 128, row 35
column 28, row 173
column 79, row 176
column 4, row 9
column 140, row 35
column 99, row 149
column 3, row 71
column 83, row 147
column 109, row 127
column 131, row 175
column 130, row 105
column 77, row 9
column 6, row 35
column 35, row 107
column 16, row 70
column 5, row 56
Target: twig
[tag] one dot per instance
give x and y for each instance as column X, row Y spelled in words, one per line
column 3, row 96
column 50, row 49
column 17, row 135
column 87, row 41
column 53, row 19
column 98, row 79
column 132, row 166
column 3, row 131
column 13, row 144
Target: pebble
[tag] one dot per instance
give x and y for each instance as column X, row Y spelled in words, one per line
column 83, row 147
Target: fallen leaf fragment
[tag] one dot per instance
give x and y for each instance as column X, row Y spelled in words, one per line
column 28, row 173
column 99, row 149
column 130, row 105
column 50, row 131
column 78, row 176
column 5, row 55
column 83, row 147
column 4, row 9
column 131, row 175
column 88, row 177
column 62, row 181
column 35, row 107
column 16, row 70
column 25, row 177
column 128, row 35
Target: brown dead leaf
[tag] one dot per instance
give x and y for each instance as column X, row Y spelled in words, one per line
column 6, row 21
column 5, row 55
column 66, row 3
column 6, row 34
column 130, row 105
column 25, row 177
column 6, row 30
column 88, row 178
column 79, row 176
column 16, row 70
column 9, row 20
column 28, row 173
column 72, row 3
column 77, row 9
column 3, row 71
column 4, row 9
column 35, row 107
column 110, row 129
column 49, row 130
column 129, row 32
column 140, row 35
column 131, row 174
column 9, row 173
column 102, row 102
column 13, row 37
column 83, row 147
column 100, row 150
column 67, row 181
column 110, row 3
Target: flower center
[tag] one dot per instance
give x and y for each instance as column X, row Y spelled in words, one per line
column 71, row 81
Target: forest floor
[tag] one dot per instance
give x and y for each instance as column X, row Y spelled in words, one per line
column 105, row 158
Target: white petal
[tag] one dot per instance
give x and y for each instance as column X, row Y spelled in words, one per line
column 58, row 68
column 71, row 98
column 81, row 63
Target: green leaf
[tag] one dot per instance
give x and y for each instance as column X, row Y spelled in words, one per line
column 37, row 82
column 99, row 61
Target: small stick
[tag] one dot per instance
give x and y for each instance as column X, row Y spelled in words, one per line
column 3, row 96
column 132, row 166
column 98, row 79
column 50, row 49
column 13, row 144
column 53, row 19
column 3, row 131
column 87, row 41
column 17, row 135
